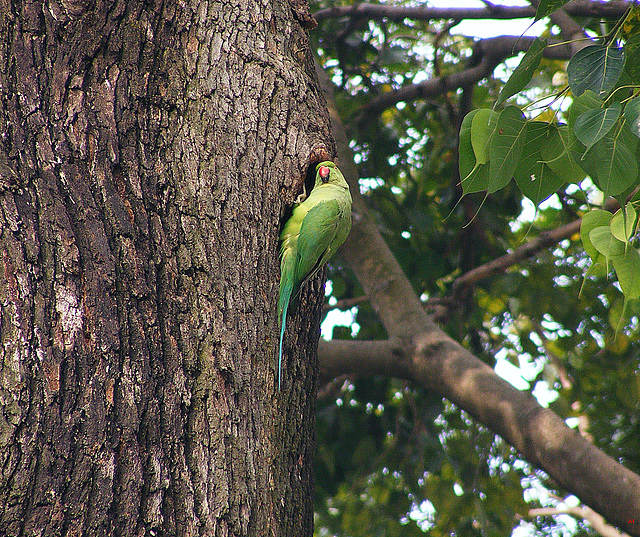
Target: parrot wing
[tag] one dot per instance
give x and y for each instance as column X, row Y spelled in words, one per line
column 317, row 234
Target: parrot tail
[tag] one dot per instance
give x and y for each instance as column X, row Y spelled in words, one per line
column 285, row 297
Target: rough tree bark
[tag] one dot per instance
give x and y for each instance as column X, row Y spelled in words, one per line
column 147, row 151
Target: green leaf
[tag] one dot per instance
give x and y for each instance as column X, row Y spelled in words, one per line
column 632, row 115
column 627, row 267
column 593, row 125
column 616, row 164
column 596, row 67
column 583, row 103
column 611, row 161
column 523, row 73
column 467, row 160
column 506, row 147
column 632, row 53
column 534, row 178
column 477, row 181
column 590, row 221
column 622, row 223
column 597, row 270
column 635, row 198
column 474, row 177
column 546, row 7
column 393, row 55
column 555, row 154
column 482, row 126
column 603, row 241
column 587, row 101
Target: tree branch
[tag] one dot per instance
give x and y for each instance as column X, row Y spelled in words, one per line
column 527, row 250
column 376, row 358
column 487, row 55
column 422, row 353
column 581, row 8
column 581, row 511
column 543, row 241
column 569, row 29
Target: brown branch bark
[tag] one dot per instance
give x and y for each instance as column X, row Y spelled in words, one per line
column 582, row 8
column 420, row 352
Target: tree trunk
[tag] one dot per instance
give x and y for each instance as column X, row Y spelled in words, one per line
column 147, row 152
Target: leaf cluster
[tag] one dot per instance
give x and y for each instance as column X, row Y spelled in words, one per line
column 599, row 140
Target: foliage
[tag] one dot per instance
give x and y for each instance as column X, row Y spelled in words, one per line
column 601, row 137
column 394, row 459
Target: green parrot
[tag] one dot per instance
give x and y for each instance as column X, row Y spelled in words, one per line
column 317, row 228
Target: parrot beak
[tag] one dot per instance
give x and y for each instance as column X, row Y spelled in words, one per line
column 324, row 172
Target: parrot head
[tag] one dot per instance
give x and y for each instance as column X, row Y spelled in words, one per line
column 324, row 172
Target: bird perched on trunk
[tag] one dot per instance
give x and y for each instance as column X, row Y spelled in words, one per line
column 317, row 228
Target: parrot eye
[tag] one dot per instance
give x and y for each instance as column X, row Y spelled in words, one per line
column 324, row 172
